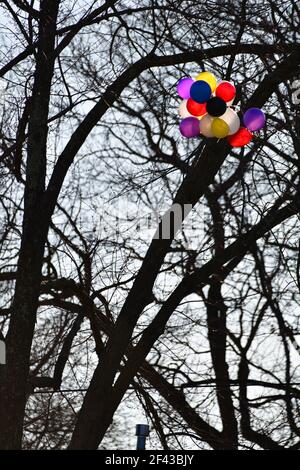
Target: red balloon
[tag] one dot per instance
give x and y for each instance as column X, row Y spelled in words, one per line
column 194, row 108
column 241, row 138
column 226, row 91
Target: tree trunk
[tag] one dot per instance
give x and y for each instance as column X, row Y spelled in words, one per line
column 34, row 232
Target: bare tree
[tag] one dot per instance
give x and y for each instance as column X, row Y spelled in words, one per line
column 200, row 328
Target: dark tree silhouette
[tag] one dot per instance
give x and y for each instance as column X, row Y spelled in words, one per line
column 198, row 329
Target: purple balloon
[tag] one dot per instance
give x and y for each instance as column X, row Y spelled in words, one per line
column 184, row 86
column 254, row 119
column 190, row 127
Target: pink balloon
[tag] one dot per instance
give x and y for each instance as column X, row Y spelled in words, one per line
column 184, row 86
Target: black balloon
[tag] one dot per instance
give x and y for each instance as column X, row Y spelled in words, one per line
column 216, row 106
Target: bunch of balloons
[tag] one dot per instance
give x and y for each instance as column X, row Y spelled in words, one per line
column 206, row 109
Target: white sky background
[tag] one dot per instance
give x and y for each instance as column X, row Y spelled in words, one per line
column 89, row 179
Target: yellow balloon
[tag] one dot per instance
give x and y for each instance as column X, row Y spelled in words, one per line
column 219, row 128
column 208, row 78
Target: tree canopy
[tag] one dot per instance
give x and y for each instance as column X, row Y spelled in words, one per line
column 104, row 322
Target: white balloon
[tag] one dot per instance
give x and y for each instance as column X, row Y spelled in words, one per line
column 205, row 126
column 232, row 119
column 183, row 111
column 229, row 103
